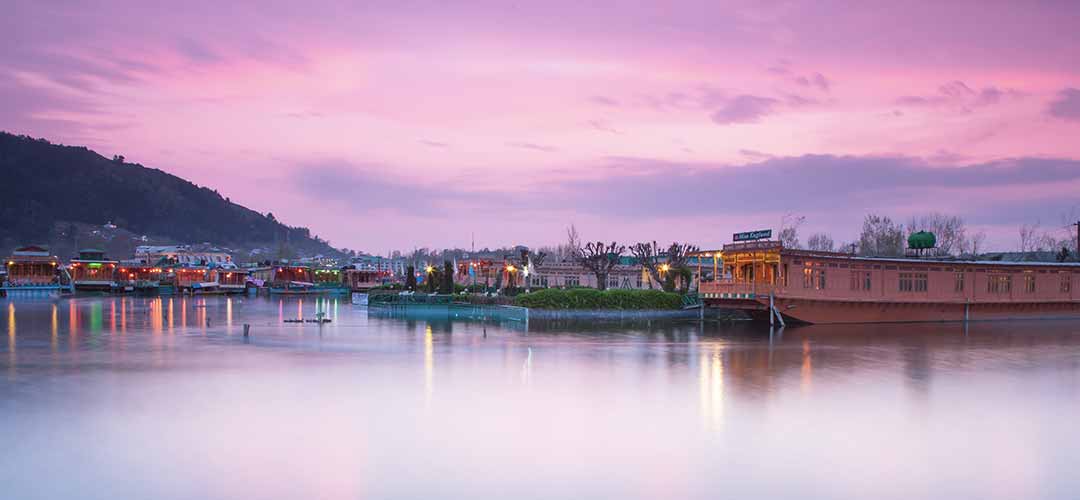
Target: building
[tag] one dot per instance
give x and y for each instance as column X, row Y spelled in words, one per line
column 183, row 255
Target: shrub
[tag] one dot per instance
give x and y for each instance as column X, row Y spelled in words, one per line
column 589, row 298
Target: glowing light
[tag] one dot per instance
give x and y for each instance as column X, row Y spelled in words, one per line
column 664, row 267
column 430, row 269
column 510, row 268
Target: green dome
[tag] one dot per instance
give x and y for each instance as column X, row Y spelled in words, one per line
column 921, row 240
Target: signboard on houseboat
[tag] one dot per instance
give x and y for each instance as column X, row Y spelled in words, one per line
column 761, row 234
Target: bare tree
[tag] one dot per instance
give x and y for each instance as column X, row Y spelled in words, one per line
column 1028, row 237
column 975, row 243
column 649, row 255
column 678, row 254
column 789, row 230
column 949, row 231
column 568, row 251
column 820, row 242
column 881, row 237
column 600, row 259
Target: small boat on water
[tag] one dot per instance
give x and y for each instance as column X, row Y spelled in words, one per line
column 232, row 280
column 92, row 271
column 30, row 270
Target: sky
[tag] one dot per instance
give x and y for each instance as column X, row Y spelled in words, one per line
column 403, row 124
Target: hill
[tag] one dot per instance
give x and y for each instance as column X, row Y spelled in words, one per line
column 55, row 194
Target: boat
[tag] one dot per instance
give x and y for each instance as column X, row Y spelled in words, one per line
column 92, row 271
column 139, row 277
column 329, row 280
column 292, row 279
column 30, row 270
column 362, row 280
column 787, row 285
column 233, row 280
column 195, row 280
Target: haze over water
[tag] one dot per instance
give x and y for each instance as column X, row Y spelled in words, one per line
column 143, row 398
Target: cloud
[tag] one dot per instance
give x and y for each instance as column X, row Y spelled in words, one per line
column 821, row 82
column 604, row 101
column 958, row 95
column 1066, row 106
column 743, row 109
column 434, row 144
column 755, row 155
column 533, row 146
column 602, row 126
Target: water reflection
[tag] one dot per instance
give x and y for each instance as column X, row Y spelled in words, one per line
column 554, row 410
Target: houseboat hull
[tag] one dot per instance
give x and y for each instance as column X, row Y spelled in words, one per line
column 847, row 312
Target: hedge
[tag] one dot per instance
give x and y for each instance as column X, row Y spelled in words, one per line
column 589, row 298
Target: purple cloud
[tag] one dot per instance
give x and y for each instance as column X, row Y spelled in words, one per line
column 604, row 101
column 1066, row 106
column 957, row 94
column 743, row 109
column 532, row 146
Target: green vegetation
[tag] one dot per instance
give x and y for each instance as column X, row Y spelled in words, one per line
column 588, row 298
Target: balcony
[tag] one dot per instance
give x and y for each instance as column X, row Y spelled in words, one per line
column 729, row 289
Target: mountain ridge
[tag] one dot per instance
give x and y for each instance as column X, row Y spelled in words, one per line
column 49, row 191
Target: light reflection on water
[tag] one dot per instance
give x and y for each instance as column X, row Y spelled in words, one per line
column 164, row 398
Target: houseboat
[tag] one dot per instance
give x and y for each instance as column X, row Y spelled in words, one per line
column 232, row 280
column 329, row 280
column 790, row 285
column 195, row 280
column 139, row 277
column 92, row 271
column 31, row 270
column 291, row 279
column 358, row 280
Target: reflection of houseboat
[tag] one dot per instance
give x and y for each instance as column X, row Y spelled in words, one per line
column 329, row 281
column 291, row 279
column 93, row 271
column 232, row 280
column 359, row 280
column 31, row 269
column 828, row 287
column 139, row 277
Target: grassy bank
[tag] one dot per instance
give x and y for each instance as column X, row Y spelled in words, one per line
column 588, row 298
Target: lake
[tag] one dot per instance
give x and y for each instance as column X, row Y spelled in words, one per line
column 109, row 397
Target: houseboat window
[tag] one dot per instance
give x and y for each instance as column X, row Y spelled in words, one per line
column 785, row 275
column 860, row 280
column 959, row 282
column 613, row 282
column 820, row 278
column 920, row 282
column 808, row 277
column 1066, row 283
column 913, row 282
column 999, row 283
column 1029, row 282
column 573, row 281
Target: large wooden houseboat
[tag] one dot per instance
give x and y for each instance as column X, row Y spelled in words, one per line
column 362, row 280
column 789, row 285
column 329, row 280
column 139, row 277
column 232, row 280
column 291, row 279
column 92, row 271
column 196, row 280
column 31, row 270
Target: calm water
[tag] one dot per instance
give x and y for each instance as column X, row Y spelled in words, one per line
column 141, row 398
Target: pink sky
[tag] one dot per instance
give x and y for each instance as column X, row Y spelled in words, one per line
column 387, row 125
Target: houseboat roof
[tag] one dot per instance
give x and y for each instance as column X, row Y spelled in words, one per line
column 31, row 250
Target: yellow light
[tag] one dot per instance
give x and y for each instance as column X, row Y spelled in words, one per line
column 510, row 268
column 664, row 267
column 11, row 263
column 430, row 269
